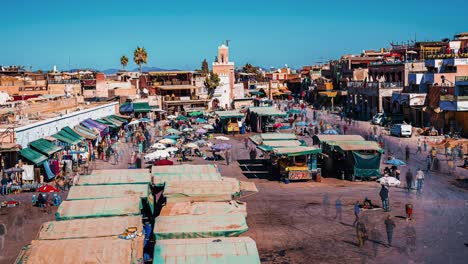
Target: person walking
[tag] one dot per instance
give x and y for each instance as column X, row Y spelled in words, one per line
column 384, row 197
column 419, row 180
column 361, row 233
column 4, row 183
column 409, row 211
column 428, row 163
column 375, row 238
column 338, row 208
column 407, row 153
column 326, row 204
column 357, row 211
column 425, row 144
column 389, row 227
column 419, row 147
column 409, row 179
column 227, row 154
column 3, row 233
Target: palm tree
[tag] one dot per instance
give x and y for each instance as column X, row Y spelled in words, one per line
column 123, row 61
column 140, row 56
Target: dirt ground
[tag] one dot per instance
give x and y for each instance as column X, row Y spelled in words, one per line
column 295, row 223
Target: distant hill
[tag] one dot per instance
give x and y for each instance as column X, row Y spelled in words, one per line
column 148, row 69
column 110, row 71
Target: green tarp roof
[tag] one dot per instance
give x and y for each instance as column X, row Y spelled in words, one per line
column 114, row 121
column 259, row 138
column 198, row 226
column 116, row 177
column 105, row 122
column 159, row 179
column 121, row 119
column 229, row 114
column 256, row 93
column 44, row 146
column 99, row 208
column 325, row 138
column 207, row 250
column 141, row 107
column 86, row 192
column 296, row 151
column 185, row 168
column 67, row 138
column 86, row 132
column 355, row 145
column 72, row 132
column 33, row 156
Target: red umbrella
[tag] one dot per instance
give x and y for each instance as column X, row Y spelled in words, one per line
column 277, row 125
column 47, row 189
column 164, row 162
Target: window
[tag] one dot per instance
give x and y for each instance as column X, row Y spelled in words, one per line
column 463, row 90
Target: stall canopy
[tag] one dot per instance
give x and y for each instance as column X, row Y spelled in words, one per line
column 99, row 208
column 120, row 118
column 89, row 250
column 267, row 111
column 108, row 191
column 44, row 146
column 198, row 226
column 204, row 208
column 91, row 124
column 85, row 132
column 89, row 227
column 259, row 138
column 66, row 138
column 116, row 177
column 355, row 145
column 296, row 151
column 142, row 107
column 160, row 179
column 366, row 165
column 326, row 138
column 33, row 156
column 207, row 250
column 72, row 132
column 184, row 168
column 105, row 122
column 115, row 122
column 229, row 114
column 126, row 108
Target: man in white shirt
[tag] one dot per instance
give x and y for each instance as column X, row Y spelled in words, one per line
column 419, row 180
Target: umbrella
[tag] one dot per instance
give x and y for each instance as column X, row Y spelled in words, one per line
column 302, row 123
column 221, row 146
column 158, row 154
column 171, row 137
column 187, row 129
column 13, row 170
column 164, row 162
column 201, row 131
column 47, row 189
column 395, row 162
column 277, row 125
column 158, row 146
column 200, row 142
column 173, row 131
column 201, row 120
column 388, row 181
column 191, row 145
column 168, row 141
column 209, row 127
column 182, row 118
column 330, row 132
column 145, row 119
column 172, row 149
column 222, row 138
column 171, row 116
column 195, row 113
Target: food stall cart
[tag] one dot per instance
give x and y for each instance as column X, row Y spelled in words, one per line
column 296, row 163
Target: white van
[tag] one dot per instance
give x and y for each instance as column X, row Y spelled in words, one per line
column 401, row 130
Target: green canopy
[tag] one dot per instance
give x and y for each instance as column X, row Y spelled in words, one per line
column 207, row 250
column 33, row 156
column 182, row 118
column 66, row 138
column 113, row 121
column 44, row 146
column 256, row 93
column 229, row 114
column 296, row 151
column 121, row 119
column 72, row 132
column 355, row 145
column 142, row 107
column 85, row 132
column 366, row 165
column 107, row 123
column 195, row 113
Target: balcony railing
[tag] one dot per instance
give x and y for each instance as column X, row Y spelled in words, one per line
column 447, row 56
column 380, row 85
column 453, row 98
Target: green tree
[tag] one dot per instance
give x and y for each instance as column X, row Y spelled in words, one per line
column 140, row 56
column 123, row 61
column 211, row 82
column 249, row 68
column 204, row 68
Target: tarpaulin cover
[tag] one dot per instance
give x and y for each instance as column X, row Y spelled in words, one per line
column 141, row 107
column 282, row 143
column 105, row 122
column 66, row 138
column 204, row 208
column 366, row 165
column 355, row 145
column 49, row 174
column 229, row 114
column 324, row 138
column 120, row 118
column 33, row 156
column 86, row 192
column 89, row 227
column 115, row 177
column 45, row 146
column 98, row 208
column 296, row 151
column 47, row 189
column 72, row 132
column 86, row 132
column 207, row 168
column 202, row 191
column 78, row 251
column 267, row 111
column 230, row 250
column 126, row 108
column 91, row 124
column 259, row 138
column 197, row 226
column 115, row 122
column 160, row 179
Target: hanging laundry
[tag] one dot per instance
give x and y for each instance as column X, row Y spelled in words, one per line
column 28, row 172
column 48, row 171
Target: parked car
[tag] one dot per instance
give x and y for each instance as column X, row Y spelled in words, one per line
column 401, row 130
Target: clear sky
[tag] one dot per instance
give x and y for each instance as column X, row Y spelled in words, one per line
column 180, row 34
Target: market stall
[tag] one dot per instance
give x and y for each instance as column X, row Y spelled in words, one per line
column 98, row 208
column 295, row 163
column 204, row 208
column 261, row 119
column 230, row 121
column 116, row 177
column 207, row 250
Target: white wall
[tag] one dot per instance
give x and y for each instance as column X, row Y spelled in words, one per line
column 223, row 91
column 44, row 128
column 239, row 91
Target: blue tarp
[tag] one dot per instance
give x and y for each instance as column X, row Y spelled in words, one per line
column 126, row 108
column 50, row 175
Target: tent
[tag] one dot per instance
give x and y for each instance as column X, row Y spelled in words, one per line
column 296, row 151
column 98, row 208
column 325, row 138
column 115, row 177
column 184, row 168
column 89, row 250
column 44, row 146
column 207, row 250
column 89, row 227
column 47, row 189
column 259, row 138
column 204, row 208
column 33, row 156
column 197, row 226
column 141, row 107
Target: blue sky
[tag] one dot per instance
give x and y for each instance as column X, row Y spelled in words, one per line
column 180, row 34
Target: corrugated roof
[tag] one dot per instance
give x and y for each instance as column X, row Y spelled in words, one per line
column 207, row 250
column 33, row 156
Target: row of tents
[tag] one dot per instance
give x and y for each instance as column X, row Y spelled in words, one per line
column 201, row 220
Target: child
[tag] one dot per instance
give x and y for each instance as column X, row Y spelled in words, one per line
column 409, row 211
